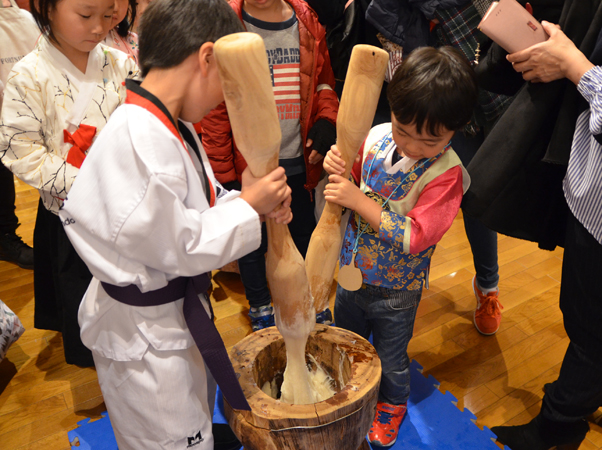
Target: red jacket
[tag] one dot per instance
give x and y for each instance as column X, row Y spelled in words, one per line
column 318, row 101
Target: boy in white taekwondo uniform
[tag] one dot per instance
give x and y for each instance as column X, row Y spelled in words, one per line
column 147, row 216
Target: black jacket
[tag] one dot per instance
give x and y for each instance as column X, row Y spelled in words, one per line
column 517, row 173
column 406, row 22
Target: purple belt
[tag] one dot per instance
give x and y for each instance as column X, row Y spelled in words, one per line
column 201, row 327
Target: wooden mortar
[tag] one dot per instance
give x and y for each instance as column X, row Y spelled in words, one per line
column 340, row 422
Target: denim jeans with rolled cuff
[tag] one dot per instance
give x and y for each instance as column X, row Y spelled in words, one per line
column 387, row 314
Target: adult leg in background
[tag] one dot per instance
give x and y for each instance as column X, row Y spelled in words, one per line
column 578, row 390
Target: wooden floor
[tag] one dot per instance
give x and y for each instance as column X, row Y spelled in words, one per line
column 499, row 378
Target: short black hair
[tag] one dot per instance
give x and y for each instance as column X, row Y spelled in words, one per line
column 172, row 30
column 433, row 88
column 40, row 10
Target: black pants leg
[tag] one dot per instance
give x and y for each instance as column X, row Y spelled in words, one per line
column 47, row 314
column 253, row 274
column 61, row 279
column 302, row 206
column 578, row 390
column 252, row 266
column 8, row 219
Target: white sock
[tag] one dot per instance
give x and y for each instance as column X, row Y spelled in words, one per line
column 487, row 291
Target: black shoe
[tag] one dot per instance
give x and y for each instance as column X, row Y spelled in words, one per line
column 543, row 434
column 224, row 438
column 14, row 250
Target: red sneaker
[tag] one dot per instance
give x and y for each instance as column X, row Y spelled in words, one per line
column 386, row 424
column 488, row 315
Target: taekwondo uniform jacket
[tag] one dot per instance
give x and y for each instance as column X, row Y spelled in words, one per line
column 139, row 215
column 143, row 213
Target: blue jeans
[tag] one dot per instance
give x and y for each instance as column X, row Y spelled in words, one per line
column 389, row 315
column 482, row 240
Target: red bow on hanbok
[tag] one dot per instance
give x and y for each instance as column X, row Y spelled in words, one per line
column 81, row 141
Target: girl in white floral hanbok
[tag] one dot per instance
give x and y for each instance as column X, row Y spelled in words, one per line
column 56, row 101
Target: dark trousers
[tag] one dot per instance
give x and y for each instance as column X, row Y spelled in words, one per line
column 482, row 240
column 252, row 266
column 578, row 390
column 60, row 280
column 8, row 218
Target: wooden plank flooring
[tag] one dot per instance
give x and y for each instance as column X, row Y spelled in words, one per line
column 499, row 378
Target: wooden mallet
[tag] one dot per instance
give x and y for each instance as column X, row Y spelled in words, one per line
column 363, row 84
column 247, row 85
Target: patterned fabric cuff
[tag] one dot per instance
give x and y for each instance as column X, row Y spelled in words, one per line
column 591, row 83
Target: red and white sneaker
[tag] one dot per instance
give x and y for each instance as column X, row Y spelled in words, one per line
column 488, row 314
column 386, row 424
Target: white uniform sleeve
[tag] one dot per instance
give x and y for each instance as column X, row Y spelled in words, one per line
column 141, row 216
column 165, row 235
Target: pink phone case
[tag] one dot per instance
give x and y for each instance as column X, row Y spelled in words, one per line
column 510, row 25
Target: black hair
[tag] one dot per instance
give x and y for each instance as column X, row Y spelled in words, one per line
column 433, row 88
column 172, row 30
column 40, row 10
column 127, row 23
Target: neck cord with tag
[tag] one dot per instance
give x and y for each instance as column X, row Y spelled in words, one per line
column 350, row 277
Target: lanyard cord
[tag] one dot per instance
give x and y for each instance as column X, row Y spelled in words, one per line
column 382, row 144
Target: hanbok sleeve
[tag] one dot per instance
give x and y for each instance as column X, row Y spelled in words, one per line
column 24, row 131
column 426, row 223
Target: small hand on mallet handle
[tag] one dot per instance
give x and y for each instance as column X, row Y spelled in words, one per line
column 344, row 192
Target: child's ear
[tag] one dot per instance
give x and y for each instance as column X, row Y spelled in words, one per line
column 206, row 58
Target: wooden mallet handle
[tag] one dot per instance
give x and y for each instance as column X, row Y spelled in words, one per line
column 244, row 71
column 363, row 84
column 245, row 75
column 247, row 85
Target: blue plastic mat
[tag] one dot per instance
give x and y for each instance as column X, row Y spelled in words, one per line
column 97, row 435
column 432, row 422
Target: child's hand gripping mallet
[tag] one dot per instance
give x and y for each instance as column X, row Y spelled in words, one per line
column 363, row 84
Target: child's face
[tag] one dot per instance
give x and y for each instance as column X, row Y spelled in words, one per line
column 204, row 93
column 79, row 25
column 120, row 11
column 418, row 145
